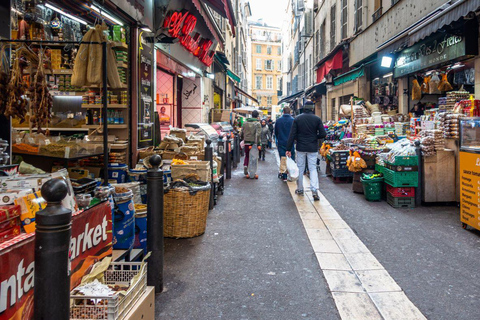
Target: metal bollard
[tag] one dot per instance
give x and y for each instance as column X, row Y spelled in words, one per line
column 209, row 157
column 221, row 152
column 237, row 149
column 155, row 224
column 52, row 263
column 234, row 151
column 418, row 192
column 228, row 162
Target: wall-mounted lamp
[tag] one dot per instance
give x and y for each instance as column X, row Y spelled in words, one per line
column 386, row 61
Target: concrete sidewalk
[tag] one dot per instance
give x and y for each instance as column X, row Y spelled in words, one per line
column 254, row 261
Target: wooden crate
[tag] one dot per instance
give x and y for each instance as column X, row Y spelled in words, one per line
column 439, row 183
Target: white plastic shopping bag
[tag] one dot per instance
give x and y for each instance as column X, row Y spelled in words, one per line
column 292, row 169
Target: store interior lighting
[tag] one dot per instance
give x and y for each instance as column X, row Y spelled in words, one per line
column 388, row 75
column 386, row 61
column 106, row 15
column 48, row 5
column 456, row 66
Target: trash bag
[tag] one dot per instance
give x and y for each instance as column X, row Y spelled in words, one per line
column 292, row 169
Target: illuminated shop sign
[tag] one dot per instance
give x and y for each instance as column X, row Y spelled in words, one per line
column 181, row 25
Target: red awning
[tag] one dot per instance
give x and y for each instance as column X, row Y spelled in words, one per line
column 334, row 63
column 224, row 8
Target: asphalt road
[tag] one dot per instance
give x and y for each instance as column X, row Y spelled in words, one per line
column 425, row 250
column 254, row 261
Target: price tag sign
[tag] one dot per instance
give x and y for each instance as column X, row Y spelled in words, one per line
column 67, row 152
column 47, row 142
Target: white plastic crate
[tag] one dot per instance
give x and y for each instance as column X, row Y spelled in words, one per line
column 116, row 307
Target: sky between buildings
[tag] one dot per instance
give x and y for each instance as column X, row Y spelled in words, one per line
column 271, row 11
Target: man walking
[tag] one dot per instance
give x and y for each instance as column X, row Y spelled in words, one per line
column 307, row 129
column 282, row 132
column 251, row 132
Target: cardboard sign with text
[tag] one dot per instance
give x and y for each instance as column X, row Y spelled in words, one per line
column 91, row 241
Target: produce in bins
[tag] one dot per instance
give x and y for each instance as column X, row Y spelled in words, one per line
column 372, row 176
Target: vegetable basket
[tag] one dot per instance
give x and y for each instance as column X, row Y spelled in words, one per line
column 372, row 188
column 185, row 210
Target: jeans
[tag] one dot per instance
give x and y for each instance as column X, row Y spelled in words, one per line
column 309, row 158
column 247, row 154
column 282, row 150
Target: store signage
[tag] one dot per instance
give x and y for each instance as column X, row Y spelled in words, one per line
column 470, row 189
column 181, row 25
column 437, row 49
column 146, row 107
column 91, row 241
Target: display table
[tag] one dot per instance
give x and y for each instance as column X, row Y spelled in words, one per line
column 45, row 162
column 91, row 241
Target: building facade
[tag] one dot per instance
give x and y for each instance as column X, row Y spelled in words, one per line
column 265, row 63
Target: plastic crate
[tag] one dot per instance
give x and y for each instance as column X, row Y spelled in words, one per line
column 402, row 192
column 337, row 166
column 372, row 189
column 402, row 168
column 409, row 161
column 400, row 179
column 341, row 173
column 379, row 168
column 84, row 185
column 400, row 202
column 116, row 307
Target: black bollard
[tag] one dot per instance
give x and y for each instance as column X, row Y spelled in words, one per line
column 209, row 157
column 228, row 156
column 235, row 149
column 52, row 263
column 221, row 153
column 155, row 224
column 418, row 192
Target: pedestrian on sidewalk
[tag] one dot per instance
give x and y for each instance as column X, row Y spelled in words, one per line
column 251, row 133
column 282, row 132
column 270, row 127
column 266, row 139
column 307, row 130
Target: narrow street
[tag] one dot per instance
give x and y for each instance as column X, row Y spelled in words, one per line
column 266, row 255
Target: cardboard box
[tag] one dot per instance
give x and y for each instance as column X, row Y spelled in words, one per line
column 8, row 196
column 78, row 173
column 144, row 309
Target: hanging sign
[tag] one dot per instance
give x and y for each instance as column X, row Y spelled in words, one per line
column 435, row 50
column 181, row 25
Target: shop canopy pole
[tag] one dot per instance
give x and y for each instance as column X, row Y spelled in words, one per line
column 105, row 115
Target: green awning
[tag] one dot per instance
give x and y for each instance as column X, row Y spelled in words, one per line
column 233, row 76
column 349, row 76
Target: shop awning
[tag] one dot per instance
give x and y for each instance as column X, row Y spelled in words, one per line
column 291, row 97
column 240, row 91
column 444, row 17
column 334, row 63
column 233, row 76
column 319, row 89
column 349, row 76
column 221, row 57
column 225, row 9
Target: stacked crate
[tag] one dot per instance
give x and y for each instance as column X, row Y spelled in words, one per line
column 338, row 163
column 401, row 179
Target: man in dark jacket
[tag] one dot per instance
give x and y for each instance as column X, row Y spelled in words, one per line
column 282, row 132
column 270, row 128
column 307, row 130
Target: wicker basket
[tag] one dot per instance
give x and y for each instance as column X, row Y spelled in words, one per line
column 185, row 212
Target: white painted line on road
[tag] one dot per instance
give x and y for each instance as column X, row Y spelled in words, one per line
column 360, row 285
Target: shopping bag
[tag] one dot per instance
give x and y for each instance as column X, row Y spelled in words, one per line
column 292, row 169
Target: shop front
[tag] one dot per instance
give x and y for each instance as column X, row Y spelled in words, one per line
column 185, row 58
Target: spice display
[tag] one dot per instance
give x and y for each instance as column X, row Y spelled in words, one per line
column 42, row 101
column 24, row 148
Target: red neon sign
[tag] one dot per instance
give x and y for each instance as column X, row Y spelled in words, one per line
column 180, row 25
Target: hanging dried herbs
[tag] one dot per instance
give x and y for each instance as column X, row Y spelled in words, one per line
column 16, row 103
column 4, row 79
column 42, row 100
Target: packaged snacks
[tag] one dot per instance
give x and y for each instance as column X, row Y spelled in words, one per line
column 30, row 205
column 9, row 212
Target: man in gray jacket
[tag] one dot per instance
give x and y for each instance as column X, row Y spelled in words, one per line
column 251, row 133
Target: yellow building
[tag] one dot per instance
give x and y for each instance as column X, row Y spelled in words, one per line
column 266, row 63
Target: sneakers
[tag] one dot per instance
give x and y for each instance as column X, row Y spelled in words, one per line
column 299, row 192
column 245, row 170
column 315, row 196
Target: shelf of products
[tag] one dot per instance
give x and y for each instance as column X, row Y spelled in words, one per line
column 51, row 129
column 109, row 106
column 110, row 126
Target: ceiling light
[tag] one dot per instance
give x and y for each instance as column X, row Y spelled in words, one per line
column 65, row 14
column 376, row 79
column 457, row 66
column 146, row 29
column 106, row 15
column 386, row 61
column 388, row 75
